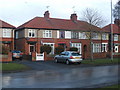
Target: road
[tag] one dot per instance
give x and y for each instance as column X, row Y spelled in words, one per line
column 57, row 75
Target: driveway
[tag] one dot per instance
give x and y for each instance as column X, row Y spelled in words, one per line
column 51, row 65
column 56, row 75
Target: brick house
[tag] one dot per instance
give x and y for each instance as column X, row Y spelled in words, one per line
column 7, row 34
column 64, row 32
column 116, row 37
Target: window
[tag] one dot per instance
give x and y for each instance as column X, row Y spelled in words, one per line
column 31, row 33
column 94, row 35
column 96, row 47
column 7, row 33
column 75, row 35
column 82, row 35
column 16, row 35
column 104, row 47
column 77, row 45
column 68, row 34
column 104, row 36
column 116, row 48
column 62, row 34
column 47, row 34
column 115, row 37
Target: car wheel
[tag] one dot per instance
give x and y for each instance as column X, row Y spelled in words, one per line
column 67, row 62
column 56, row 60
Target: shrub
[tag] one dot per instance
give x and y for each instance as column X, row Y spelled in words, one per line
column 59, row 49
column 4, row 49
column 73, row 49
column 45, row 48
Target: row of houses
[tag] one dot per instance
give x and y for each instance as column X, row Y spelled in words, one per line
column 30, row 36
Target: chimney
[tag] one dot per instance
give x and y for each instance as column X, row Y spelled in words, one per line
column 73, row 17
column 46, row 14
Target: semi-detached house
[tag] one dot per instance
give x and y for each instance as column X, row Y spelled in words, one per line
column 60, row 32
column 116, row 37
column 7, row 34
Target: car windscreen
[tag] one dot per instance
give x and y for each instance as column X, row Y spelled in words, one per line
column 16, row 51
column 75, row 54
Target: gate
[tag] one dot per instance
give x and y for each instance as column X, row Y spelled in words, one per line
column 39, row 56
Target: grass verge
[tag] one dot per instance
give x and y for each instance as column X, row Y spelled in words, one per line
column 101, row 61
column 11, row 67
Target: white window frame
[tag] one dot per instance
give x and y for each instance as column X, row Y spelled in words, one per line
column 95, row 36
column 116, row 48
column 7, row 33
column 104, row 36
column 77, row 45
column 96, row 47
column 104, row 45
column 32, row 31
column 47, row 33
column 82, row 35
column 68, row 34
column 115, row 37
column 75, row 35
column 16, row 35
column 52, row 51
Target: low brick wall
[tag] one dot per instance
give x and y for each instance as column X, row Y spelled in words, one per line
column 48, row 57
column 99, row 55
column 6, row 58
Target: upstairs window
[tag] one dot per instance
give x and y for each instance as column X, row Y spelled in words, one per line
column 47, row 34
column 104, row 36
column 62, row 34
column 94, row 35
column 31, row 33
column 115, row 37
column 75, row 35
column 82, row 35
column 7, row 33
column 16, row 35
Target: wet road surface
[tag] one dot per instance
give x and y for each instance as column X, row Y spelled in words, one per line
column 85, row 77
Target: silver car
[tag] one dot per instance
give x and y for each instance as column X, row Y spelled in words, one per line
column 68, row 57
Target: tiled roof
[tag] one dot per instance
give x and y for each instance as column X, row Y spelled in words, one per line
column 61, row 24
column 4, row 24
column 116, row 28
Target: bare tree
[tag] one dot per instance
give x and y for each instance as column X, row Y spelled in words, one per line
column 116, row 10
column 94, row 18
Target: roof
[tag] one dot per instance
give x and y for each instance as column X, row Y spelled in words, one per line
column 60, row 24
column 4, row 24
column 116, row 28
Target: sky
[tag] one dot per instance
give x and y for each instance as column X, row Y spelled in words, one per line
column 17, row 12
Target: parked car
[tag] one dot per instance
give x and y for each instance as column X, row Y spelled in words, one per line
column 17, row 55
column 68, row 57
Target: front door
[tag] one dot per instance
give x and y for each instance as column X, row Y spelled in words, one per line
column 31, row 49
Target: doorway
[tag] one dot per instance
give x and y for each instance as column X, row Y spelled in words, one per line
column 31, row 49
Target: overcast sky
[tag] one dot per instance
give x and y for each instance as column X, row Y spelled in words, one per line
column 17, row 12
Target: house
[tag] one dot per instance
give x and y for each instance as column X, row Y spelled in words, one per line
column 59, row 32
column 7, row 34
column 116, row 36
